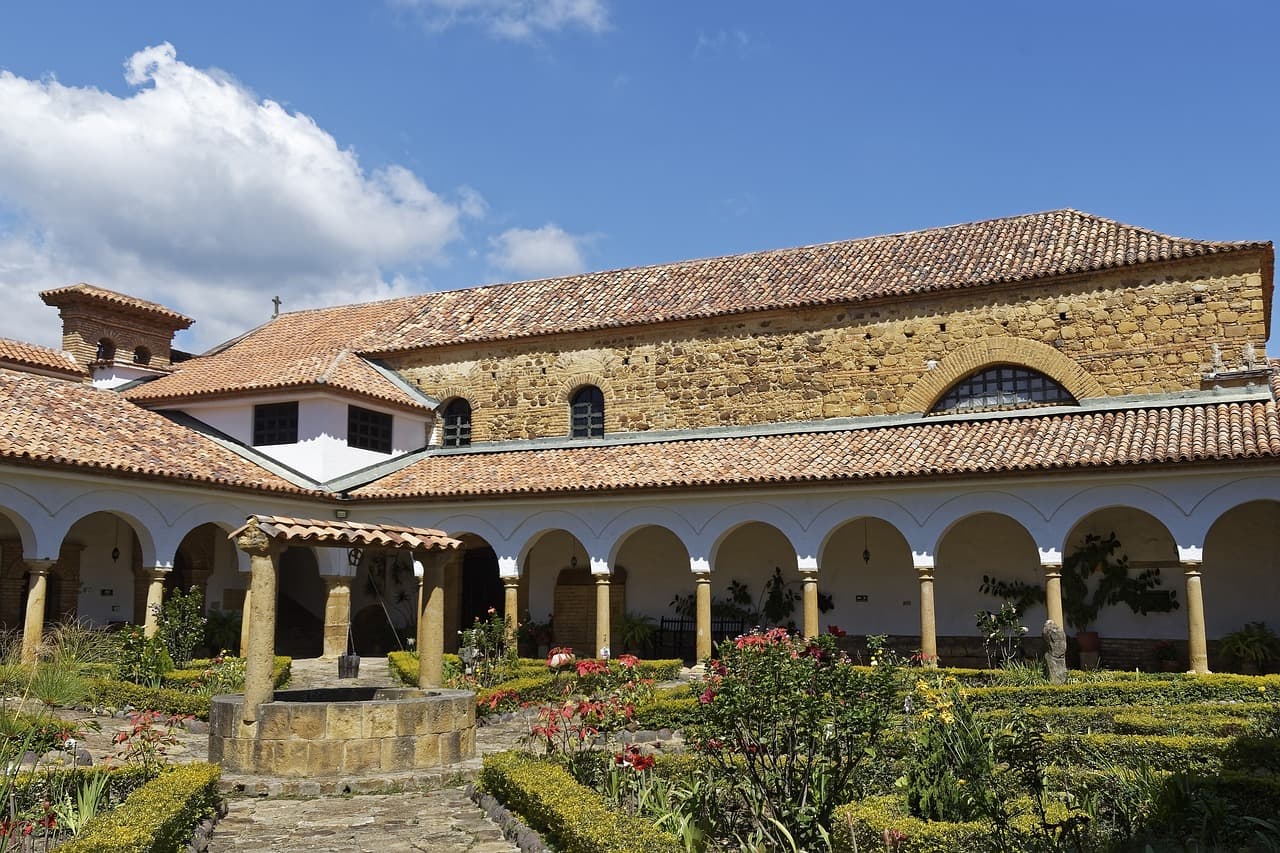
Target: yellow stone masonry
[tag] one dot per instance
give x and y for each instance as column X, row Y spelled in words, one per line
column 1133, row 331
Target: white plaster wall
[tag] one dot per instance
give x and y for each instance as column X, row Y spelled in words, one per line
column 1145, row 540
column 98, row 572
column 984, row 544
column 749, row 554
column 321, row 452
column 546, row 559
column 888, row 581
column 226, row 572
column 1241, row 571
column 657, row 567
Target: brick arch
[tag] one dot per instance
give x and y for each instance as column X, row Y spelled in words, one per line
column 985, row 353
column 479, row 414
column 572, row 382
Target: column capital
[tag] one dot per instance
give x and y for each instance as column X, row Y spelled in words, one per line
column 511, row 583
column 254, row 542
column 1190, row 567
column 809, row 575
column 335, row 581
column 1052, row 569
column 156, row 573
column 603, row 580
column 702, row 578
column 40, row 567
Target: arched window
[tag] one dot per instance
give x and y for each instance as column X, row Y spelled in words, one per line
column 586, row 413
column 1002, row 387
column 106, row 350
column 456, row 423
column 142, row 355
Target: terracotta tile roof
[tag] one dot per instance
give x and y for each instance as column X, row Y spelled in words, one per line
column 52, row 422
column 1019, row 248
column 1084, row 440
column 297, row 350
column 89, row 293
column 20, row 354
column 349, row 534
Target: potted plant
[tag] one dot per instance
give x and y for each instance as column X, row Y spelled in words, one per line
column 635, row 633
column 1094, row 577
column 1252, row 649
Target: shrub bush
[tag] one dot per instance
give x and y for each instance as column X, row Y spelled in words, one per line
column 880, row 823
column 1179, row 690
column 573, row 817
column 156, row 818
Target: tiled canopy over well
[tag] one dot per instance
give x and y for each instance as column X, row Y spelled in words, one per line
column 867, row 418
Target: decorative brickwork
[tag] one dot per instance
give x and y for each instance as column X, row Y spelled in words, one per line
column 1133, row 331
column 1019, row 351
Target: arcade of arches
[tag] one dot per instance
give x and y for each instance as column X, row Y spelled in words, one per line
column 879, row 575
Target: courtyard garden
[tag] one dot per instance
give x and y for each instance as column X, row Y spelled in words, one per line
column 72, row 782
column 795, row 744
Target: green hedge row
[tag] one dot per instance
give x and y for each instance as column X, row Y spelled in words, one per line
column 1179, row 690
column 1177, row 753
column 111, row 693
column 193, row 672
column 861, row 826
column 572, row 817
column 31, row 788
column 1208, row 719
column 156, row 818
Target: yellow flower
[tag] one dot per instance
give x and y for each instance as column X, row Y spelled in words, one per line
column 947, row 718
column 959, row 781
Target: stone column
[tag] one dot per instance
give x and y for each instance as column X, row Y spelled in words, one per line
column 337, row 614
column 260, row 654
column 928, row 624
column 602, row 616
column 511, row 610
column 1053, row 592
column 155, row 598
column 33, row 628
column 810, row 580
column 1197, row 645
column 431, row 620
column 702, row 590
column 246, row 620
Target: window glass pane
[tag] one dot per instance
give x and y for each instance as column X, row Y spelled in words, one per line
column 368, row 430
column 586, row 413
column 456, row 425
column 275, row 423
column 1003, row 387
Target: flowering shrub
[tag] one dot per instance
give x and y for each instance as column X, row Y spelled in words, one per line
column 486, row 655
column 560, row 658
column 149, row 739
column 950, row 774
column 787, row 721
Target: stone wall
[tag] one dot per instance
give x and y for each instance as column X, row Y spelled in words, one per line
column 1127, row 332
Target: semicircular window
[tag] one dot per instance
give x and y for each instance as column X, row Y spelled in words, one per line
column 1002, row 387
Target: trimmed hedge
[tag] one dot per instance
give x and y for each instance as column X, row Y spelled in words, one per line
column 1167, row 752
column 156, row 818
column 861, row 826
column 185, row 678
column 666, row 712
column 1207, row 719
column 573, row 817
column 112, row 693
column 1178, row 690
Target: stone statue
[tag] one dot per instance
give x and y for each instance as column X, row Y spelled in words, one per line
column 1055, row 656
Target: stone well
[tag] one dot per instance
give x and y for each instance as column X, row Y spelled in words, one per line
column 344, row 730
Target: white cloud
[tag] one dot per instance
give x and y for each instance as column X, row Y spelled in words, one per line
column 517, row 20
column 715, row 44
column 538, row 252
column 193, row 192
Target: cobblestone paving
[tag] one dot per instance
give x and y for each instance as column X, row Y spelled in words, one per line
column 439, row 821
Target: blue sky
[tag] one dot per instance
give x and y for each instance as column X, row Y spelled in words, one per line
column 331, row 152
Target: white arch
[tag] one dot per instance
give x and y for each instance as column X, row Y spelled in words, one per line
column 957, row 509
column 833, row 518
column 535, row 526
column 1218, row 502
column 27, row 517
column 1092, row 499
column 718, row 527
column 727, row 532
column 621, row 540
column 143, row 518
